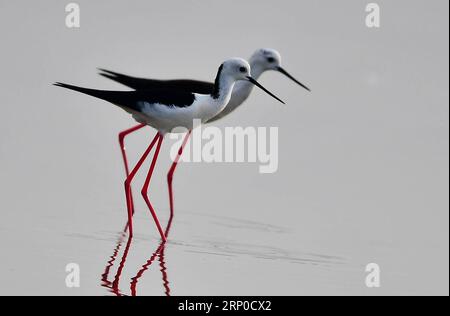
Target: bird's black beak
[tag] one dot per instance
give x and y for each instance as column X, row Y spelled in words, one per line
column 256, row 83
column 284, row 72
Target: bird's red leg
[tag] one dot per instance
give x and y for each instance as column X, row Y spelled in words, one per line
column 122, row 136
column 144, row 190
column 130, row 179
column 172, row 171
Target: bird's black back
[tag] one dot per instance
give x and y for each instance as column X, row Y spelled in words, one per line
column 194, row 86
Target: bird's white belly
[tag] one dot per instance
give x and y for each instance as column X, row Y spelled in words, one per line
column 171, row 119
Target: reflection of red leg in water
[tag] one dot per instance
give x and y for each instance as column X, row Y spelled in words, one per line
column 162, row 264
column 114, row 286
column 160, row 253
column 105, row 282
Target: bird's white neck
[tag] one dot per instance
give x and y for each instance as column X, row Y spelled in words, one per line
column 221, row 97
column 257, row 69
column 224, row 89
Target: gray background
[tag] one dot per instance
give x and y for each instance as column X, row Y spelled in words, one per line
column 363, row 159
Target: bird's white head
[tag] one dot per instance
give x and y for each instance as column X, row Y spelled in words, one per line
column 236, row 68
column 265, row 59
column 233, row 70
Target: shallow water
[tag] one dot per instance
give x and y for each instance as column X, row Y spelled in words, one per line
column 221, row 252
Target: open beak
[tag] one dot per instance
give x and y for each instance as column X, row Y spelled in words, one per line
column 284, row 72
column 256, row 83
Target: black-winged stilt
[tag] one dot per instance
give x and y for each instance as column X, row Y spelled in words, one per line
column 168, row 109
column 261, row 61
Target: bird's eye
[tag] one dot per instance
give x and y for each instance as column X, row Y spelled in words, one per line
column 271, row 60
column 243, row 69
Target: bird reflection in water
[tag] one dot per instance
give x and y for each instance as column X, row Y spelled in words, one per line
column 114, row 286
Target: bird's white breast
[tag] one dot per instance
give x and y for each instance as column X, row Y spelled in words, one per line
column 168, row 118
column 241, row 92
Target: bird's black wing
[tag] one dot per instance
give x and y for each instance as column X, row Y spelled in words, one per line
column 200, row 87
column 134, row 100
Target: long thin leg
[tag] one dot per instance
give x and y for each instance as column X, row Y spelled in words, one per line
column 144, row 190
column 130, row 179
column 122, row 136
column 172, row 171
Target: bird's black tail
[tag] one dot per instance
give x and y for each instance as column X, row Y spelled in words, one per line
column 127, row 100
column 111, row 74
column 101, row 94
